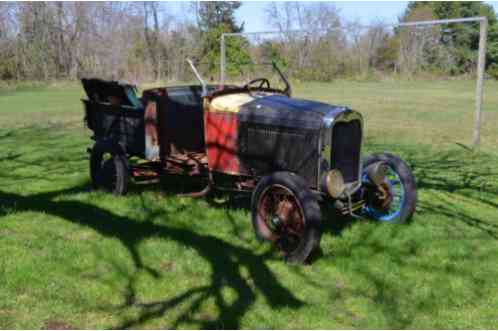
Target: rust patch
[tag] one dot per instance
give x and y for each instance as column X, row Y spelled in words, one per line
column 186, row 163
column 174, row 133
column 155, row 145
column 151, row 134
column 114, row 100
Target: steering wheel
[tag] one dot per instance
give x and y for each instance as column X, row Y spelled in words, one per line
column 262, row 81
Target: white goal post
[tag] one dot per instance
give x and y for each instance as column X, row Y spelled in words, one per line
column 481, row 61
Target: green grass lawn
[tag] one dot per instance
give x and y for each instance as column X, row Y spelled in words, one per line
column 75, row 258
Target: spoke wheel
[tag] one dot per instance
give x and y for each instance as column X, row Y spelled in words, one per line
column 285, row 213
column 283, row 216
column 387, row 202
column 395, row 200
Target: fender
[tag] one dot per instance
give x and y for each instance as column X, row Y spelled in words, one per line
column 102, row 146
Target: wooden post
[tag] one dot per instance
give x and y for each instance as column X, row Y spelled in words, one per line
column 481, row 64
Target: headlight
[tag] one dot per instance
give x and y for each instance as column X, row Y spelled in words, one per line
column 333, row 183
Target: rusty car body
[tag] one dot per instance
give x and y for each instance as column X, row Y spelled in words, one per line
column 292, row 155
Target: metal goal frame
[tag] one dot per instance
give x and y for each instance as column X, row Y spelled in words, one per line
column 481, row 60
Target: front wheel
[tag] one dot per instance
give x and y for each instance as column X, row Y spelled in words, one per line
column 395, row 200
column 287, row 214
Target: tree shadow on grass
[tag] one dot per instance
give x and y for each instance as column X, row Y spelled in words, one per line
column 451, row 184
column 403, row 304
column 225, row 260
column 457, row 179
column 437, row 173
column 453, row 179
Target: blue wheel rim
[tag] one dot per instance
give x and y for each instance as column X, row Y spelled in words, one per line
column 397, row 190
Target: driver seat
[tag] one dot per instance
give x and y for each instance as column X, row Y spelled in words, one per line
column 231, row 102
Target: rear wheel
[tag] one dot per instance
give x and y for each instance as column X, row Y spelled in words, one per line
column 286, row 213
column 109, row 170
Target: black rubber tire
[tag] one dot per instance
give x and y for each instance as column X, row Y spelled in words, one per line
column 117, row 165
column 309, row 205
column 405, row 174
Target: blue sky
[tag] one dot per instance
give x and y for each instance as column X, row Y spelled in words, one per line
column 253, row 13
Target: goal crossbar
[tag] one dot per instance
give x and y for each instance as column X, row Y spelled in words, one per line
column 481, row 61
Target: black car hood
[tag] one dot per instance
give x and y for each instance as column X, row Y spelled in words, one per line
column 290, row 112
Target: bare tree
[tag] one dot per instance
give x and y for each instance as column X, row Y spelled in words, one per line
column 152, row 35
column 319, row 41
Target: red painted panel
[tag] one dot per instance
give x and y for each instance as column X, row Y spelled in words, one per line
column 221, row 142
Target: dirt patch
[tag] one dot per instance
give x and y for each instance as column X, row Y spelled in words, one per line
column 168, row 266
column 57, row 325
column 6, row 232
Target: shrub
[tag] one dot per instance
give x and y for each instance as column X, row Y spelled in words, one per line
column 493, row 70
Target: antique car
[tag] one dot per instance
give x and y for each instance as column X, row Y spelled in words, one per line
column 294, row 156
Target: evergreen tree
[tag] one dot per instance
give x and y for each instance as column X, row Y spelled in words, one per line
column 214, row 19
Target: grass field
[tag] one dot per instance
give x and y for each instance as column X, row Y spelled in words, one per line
column 73, row 258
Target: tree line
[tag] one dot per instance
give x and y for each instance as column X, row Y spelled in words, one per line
column 140, row 41
column 334, row 47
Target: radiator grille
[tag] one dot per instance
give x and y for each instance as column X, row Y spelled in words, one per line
column 346, row 145
column 267, row 148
